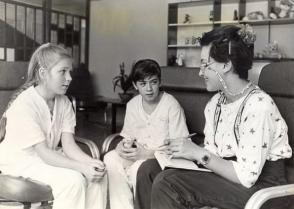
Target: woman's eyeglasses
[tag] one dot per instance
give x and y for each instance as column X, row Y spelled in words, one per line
column 204, row 66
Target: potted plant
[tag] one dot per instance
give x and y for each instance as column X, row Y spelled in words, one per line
column 122, row 81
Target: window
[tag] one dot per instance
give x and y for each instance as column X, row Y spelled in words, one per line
column 22, row 31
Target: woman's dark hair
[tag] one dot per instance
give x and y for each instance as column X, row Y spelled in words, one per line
column 227, row 45
column 145, row 68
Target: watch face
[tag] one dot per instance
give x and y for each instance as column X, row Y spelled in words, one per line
column 205, row 158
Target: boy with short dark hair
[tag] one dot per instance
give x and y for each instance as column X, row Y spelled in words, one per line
column 151, row 117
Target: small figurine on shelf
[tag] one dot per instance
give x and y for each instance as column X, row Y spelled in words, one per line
column 284, row 10
column 291, row 12
column 274, row 13
column 272, row 50
column 211, row 15
column 187, row 40
column 255, row 15
column 285, row 6
column 180, row 60
column 195, row 41
column 235, row 15
column 187, row 18
column 172, row 61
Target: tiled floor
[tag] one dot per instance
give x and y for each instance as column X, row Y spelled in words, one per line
column 94, row 126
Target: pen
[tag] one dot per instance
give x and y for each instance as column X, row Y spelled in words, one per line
column 185, row 137
column 190, row 135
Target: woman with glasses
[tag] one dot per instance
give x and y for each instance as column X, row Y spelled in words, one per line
column 246, row 138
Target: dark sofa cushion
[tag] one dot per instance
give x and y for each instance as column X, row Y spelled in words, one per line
column 277, row 79
column 12, row 74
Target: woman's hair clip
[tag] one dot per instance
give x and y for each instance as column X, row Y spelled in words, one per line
column 42, row 68
column 247, row 34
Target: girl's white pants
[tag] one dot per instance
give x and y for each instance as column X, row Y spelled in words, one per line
column 70, row 188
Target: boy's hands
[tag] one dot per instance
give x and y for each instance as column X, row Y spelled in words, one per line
column 134, row 153
column 125, row 152
column 143, row 153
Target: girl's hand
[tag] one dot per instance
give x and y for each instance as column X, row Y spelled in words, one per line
column 93, row 170
column 97, row 164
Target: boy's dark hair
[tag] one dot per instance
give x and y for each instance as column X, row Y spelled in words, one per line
column 145, row 68
column 227, row 45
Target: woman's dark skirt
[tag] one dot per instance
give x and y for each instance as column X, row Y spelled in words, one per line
column 185, row 189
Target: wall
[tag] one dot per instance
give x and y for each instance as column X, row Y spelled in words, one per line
column 124, row 31
column 131, row 29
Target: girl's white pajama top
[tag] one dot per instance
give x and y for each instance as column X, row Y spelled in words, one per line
column 30, row 122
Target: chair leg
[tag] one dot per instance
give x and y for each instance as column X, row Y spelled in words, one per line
column 26, row 205
column 44, row 205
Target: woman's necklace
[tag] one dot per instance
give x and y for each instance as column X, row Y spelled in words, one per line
column 237, row 93
column 227, row 89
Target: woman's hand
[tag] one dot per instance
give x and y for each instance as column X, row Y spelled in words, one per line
column 165, row 147
column 94, row 170
column 184, row 148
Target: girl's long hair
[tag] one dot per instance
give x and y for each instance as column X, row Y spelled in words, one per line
column 45, row 57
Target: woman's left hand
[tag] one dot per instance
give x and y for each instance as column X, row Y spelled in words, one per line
column 184, row 148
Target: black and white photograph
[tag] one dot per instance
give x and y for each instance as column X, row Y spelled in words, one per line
column 146, row 104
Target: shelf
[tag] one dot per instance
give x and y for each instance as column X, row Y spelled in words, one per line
column 273, row 59
column 186, row 1
column 183, row 46
column 227, row 22
column 251, row 22
column 270, row 21
column 206, row 15
column 190, row 24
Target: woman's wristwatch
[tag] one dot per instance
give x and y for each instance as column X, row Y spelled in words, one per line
column 205, row 158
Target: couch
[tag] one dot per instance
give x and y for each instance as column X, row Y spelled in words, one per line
column 276, row 78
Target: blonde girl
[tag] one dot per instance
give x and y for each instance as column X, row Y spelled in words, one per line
column 39, row 116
